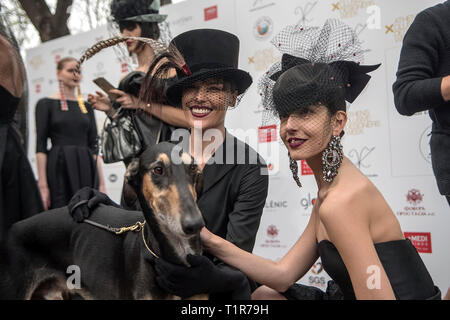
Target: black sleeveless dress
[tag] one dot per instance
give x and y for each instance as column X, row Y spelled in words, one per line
column 407, row 274
column 70, row 161
column 19, row 194
column 405, row 269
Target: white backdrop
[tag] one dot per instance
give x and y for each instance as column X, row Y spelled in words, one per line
column 390, row 149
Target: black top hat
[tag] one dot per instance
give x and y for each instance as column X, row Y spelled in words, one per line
column 208, row 53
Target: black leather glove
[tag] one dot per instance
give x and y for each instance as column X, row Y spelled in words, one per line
column 85, row 201
column 202, row 277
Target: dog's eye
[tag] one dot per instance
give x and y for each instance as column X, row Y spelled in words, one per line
column 193, row 169
column 158, row 170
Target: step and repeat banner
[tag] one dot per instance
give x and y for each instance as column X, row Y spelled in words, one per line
column 390, row 149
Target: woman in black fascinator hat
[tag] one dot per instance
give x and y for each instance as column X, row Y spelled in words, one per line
column 352, row 228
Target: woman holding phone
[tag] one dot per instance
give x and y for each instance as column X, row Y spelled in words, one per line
column 138, row 18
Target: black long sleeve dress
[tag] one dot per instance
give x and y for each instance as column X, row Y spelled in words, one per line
column 70, row 161
column 19, row 194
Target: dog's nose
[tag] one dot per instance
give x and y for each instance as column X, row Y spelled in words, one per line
column 192, row 224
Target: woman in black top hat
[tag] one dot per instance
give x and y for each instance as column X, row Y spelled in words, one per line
column 351, row 228
column 235, row 180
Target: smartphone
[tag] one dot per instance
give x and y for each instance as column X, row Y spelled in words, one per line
column 106, row 86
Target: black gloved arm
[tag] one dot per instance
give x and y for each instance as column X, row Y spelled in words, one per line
column 202, row 277
column 85, row 200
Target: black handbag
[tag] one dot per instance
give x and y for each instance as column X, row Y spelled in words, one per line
column 120, row 140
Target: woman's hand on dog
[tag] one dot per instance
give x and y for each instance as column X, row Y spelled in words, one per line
column 85, row 201
column 203, row 276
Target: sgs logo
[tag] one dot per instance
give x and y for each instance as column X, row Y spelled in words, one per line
column 315, row 279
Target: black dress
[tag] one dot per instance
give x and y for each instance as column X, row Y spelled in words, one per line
column 404, row 268
column 19, row 194
column 70, row 161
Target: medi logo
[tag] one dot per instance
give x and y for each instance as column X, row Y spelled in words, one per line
column 420, row 240
column 211, row 13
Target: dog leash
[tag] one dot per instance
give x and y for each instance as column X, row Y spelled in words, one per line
column 137, row 227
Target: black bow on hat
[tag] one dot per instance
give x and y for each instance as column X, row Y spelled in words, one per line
column 350, row 75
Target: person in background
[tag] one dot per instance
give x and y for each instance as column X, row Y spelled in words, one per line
column 19, row 194
column 138, row 18
column 69, row 122
column 423, row 83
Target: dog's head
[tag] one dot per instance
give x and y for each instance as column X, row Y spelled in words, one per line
column 168, row 181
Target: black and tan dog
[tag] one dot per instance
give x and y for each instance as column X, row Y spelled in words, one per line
column 45, row 253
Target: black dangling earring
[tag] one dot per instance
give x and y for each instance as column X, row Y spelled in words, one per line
column 332, row 159
column 294, row 168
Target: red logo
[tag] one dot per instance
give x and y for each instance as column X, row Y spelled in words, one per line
column 306, row 170
column 211, row 13
column 38, row 88
column 420, row 240
column 272, row 231
column 57, row 58
column 270, row 167
column 414, row 196
column 317, row 268
column 124, row 67
column 267, row 133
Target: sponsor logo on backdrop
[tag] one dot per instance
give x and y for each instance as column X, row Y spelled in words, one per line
column 77, row 51
column 37, row 83
column 263, row 28
column 112, row 177
column 276, row 204
column 211, row 13
column 263, row 59
column 315, row 279
column 267, row 134
column 420, row 240
column 424, row 144
column 272, row 231
column 307, row 204
column 399, row 27
column 182, row 20
column 361, row 159
column 350, row 8
column 304, row 12
column 271, row 240
column 124, row 67
column 261, row 4
column 414, row 197
column 305, row 170
column 57, row 54
column 36, row 62
column 358, row 121
column 414, row 204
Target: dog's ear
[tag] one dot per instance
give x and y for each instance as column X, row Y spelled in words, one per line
column 131, row 175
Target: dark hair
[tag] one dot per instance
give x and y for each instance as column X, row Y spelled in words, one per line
column 123, row 9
